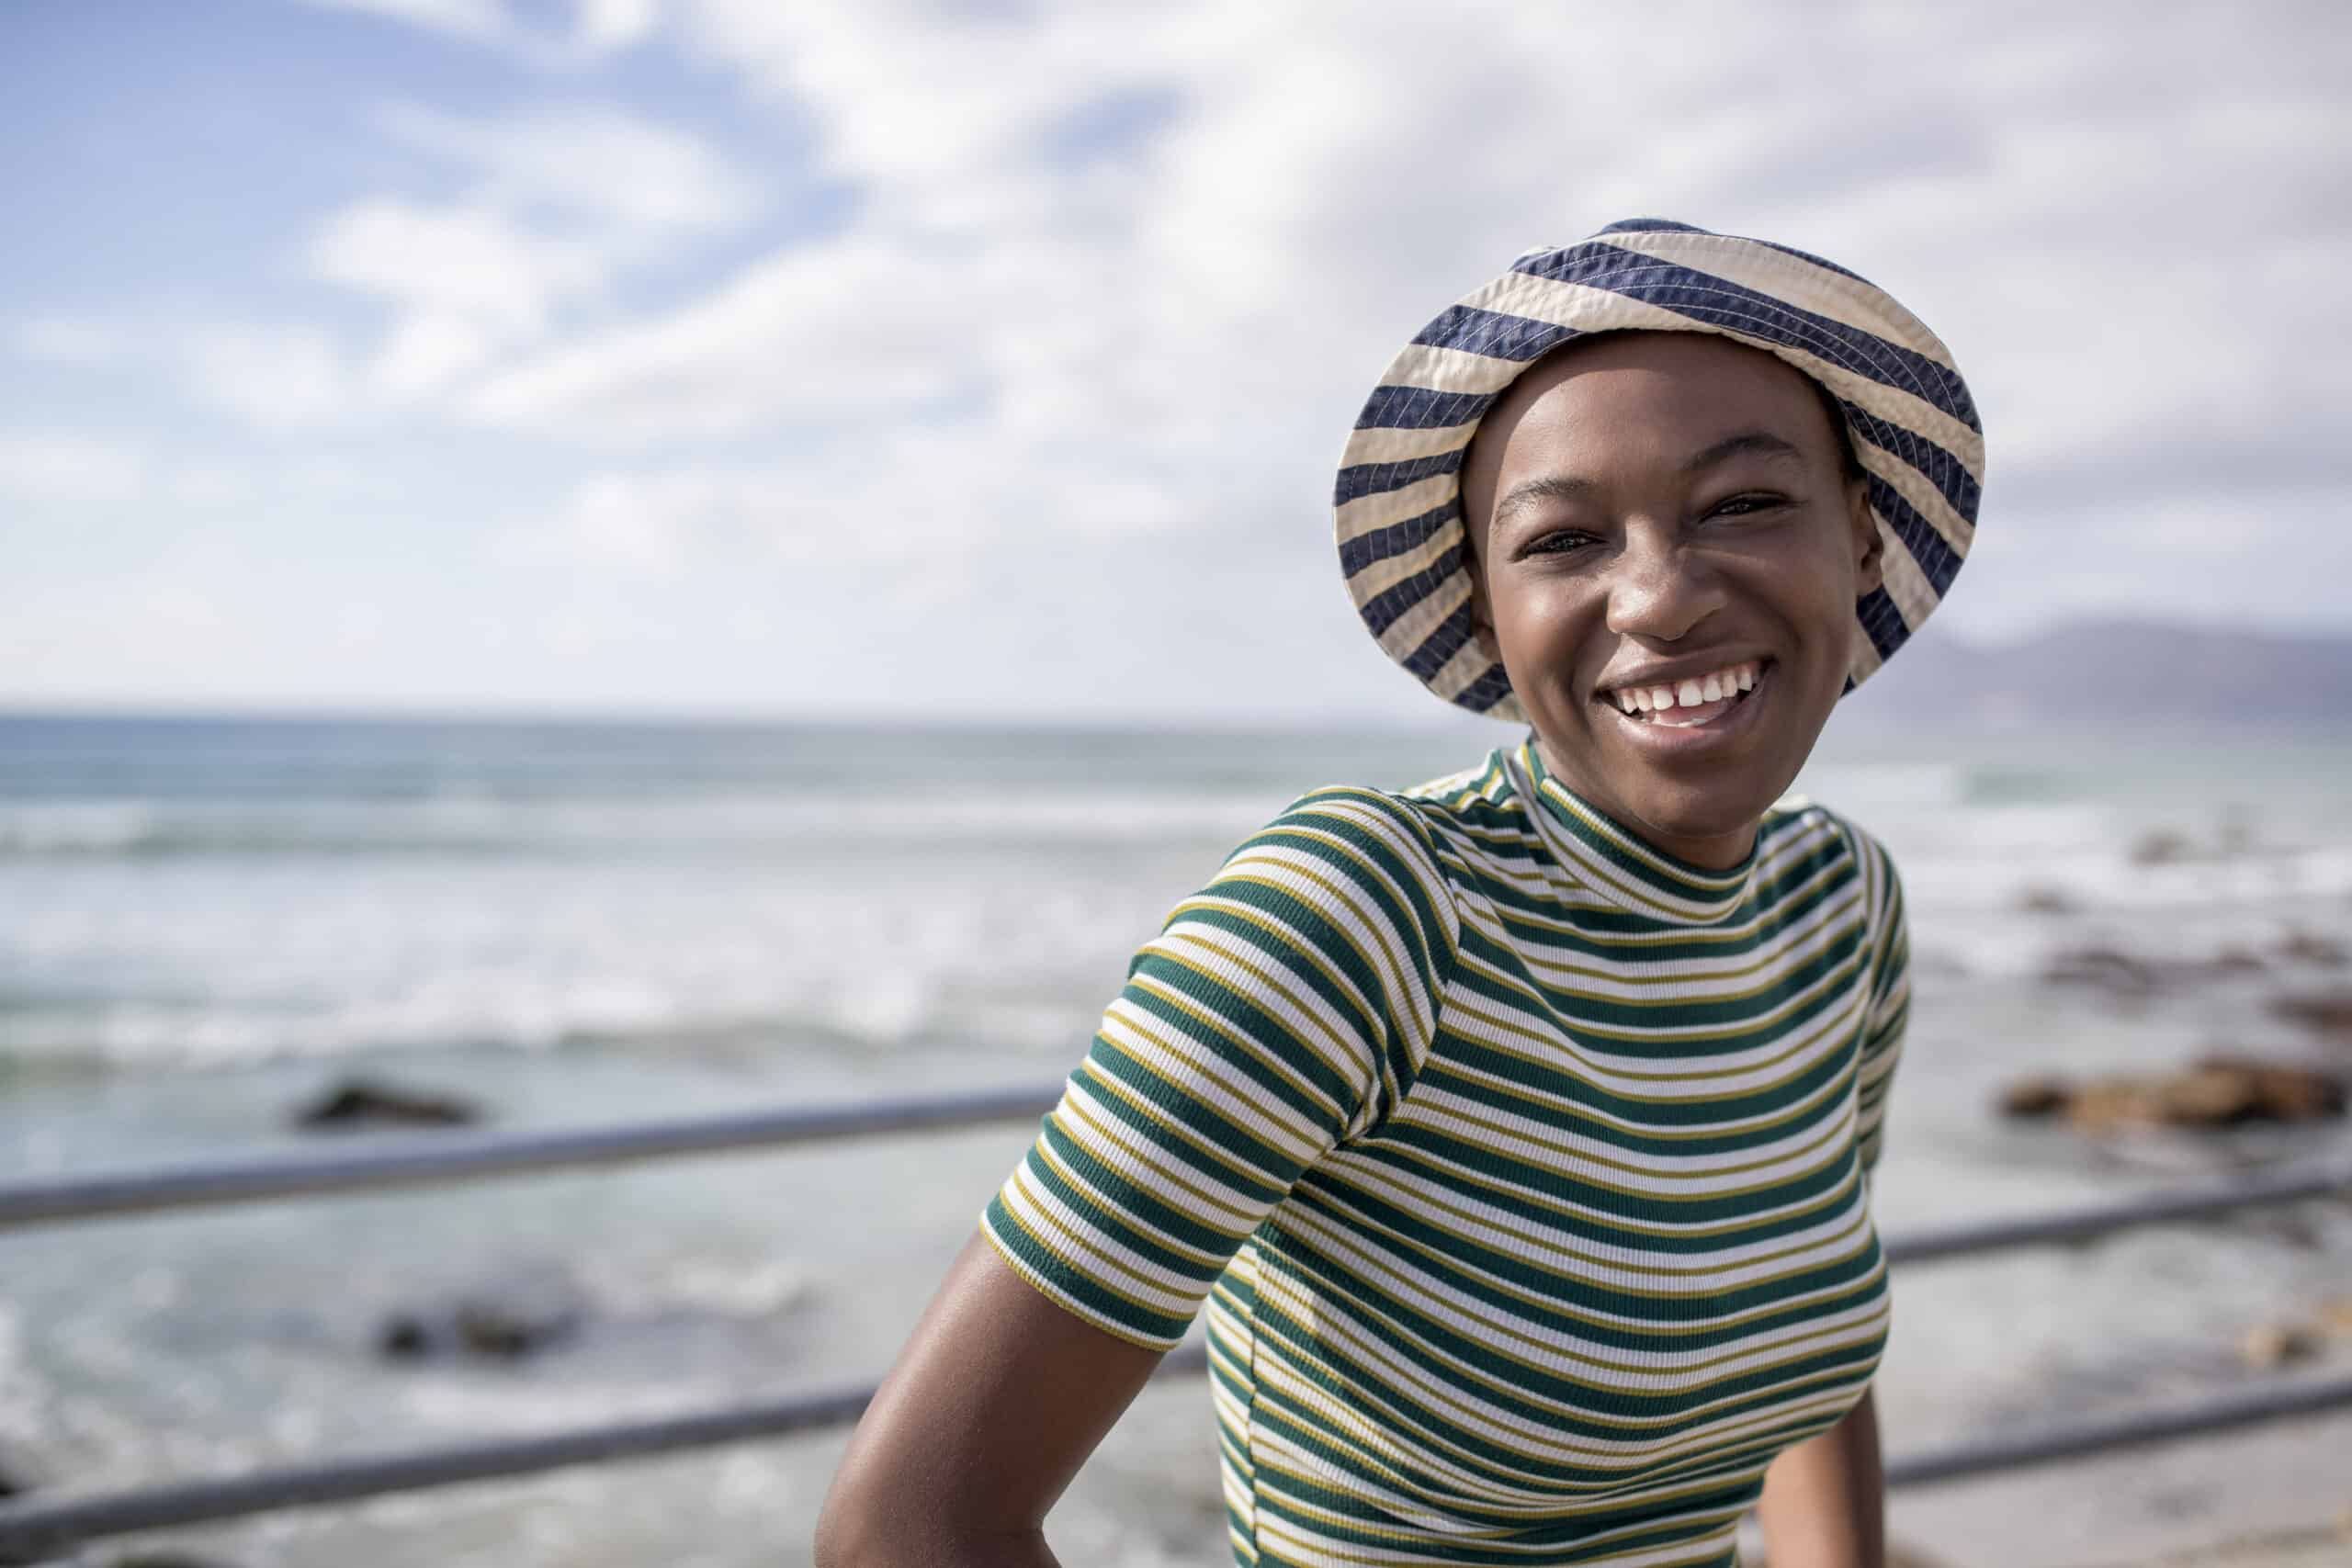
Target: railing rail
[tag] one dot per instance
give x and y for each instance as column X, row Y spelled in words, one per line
column 425, row 1160
column 33, row 1530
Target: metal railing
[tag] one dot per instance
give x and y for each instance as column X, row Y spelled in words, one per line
column 32, row 1530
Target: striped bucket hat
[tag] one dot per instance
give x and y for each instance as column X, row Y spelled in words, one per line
column 1398, row 501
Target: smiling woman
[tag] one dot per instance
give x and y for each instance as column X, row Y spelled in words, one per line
column 1514, row 1132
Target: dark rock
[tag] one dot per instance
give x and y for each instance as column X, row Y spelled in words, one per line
column 503, row 1322
column 403, row 1335
column 2105, row 968
column 2042, row 901
column 2310, row 947
column 2269, row 1344
column 2284, row 1092
column 2042, row 1095
column 167, row 1558
column 2162, row 846
column 360, row 1102
column 2330, row 1013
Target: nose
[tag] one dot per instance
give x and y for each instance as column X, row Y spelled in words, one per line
column 1656, row 588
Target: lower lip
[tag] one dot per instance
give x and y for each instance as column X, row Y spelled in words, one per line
column 1664, row 740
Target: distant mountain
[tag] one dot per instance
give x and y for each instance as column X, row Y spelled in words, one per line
column 2116, row 674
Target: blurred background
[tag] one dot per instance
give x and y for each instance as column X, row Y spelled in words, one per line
column 588, row 560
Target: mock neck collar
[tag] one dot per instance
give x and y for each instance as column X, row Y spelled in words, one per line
column 1613, row 861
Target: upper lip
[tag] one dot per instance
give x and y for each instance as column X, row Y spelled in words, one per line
column 1673, row 671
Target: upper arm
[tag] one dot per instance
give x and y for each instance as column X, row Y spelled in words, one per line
column 995, row 1401
column 1888, row 1009
column 1280, row 1009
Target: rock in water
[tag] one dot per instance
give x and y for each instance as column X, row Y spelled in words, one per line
column 2271, row 1344
column 2219, row 1091
column 2282, row 1092
column 2310, row 947
column 2042, row 1094
column 2117, row 972
column 2330, row 1012
column 360, row 1102
column 505, row 1320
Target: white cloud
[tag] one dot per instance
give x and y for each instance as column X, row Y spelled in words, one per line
column 821, row 333
column 472, row 264
column 70, row 340
column 61, row 466
column 604, row 26
column 279, row 378
column 478, row 20
column 592, row 159
column 599, row 27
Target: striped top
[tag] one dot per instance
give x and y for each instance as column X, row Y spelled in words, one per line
column 1520, row 1170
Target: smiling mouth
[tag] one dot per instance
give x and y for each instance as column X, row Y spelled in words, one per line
column 1689, row 703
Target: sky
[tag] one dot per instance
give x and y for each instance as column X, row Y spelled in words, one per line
column 864, row 358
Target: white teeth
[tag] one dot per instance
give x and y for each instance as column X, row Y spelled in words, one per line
column 1691, row 694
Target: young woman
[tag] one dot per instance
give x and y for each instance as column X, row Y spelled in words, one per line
column 1513, row 1130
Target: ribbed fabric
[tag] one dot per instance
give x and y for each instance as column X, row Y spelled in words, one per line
column 1520, row 1170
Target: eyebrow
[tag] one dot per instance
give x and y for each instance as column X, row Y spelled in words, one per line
column 1567, row 487
column 1758, row 442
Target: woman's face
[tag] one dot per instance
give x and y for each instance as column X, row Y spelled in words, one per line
column 1649, row 510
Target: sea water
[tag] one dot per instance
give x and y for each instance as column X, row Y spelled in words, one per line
column 205, row 923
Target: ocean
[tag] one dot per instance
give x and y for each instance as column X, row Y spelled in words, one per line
column 207, row 922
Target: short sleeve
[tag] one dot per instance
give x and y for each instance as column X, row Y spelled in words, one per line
column 1281, row 1010
column 1889, row 1007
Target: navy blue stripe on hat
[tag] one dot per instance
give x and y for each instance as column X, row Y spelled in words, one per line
column 1385, row 608
column 1703, row 296
column 1472, row 331
column 1397, row 539
column 1883, row 621
column 1938, row 562
column 1442, row 644
column 1934, row 463
column 1420, row 407
column 1378, row 478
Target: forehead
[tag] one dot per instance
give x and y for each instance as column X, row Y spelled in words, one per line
column 1659, row 394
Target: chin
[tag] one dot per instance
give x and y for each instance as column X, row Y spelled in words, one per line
column 1702, row 812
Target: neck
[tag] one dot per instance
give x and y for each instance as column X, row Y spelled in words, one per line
column 1724, row 850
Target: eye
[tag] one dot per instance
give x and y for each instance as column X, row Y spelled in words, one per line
column 1561, row 542
column 1747, row 504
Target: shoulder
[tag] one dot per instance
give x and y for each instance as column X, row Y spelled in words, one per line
column 1887, row 925
column 1798, row 819
column 1357, row 853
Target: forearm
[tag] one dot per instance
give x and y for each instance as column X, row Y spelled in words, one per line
column 899, row 1544
column 1824, row 1503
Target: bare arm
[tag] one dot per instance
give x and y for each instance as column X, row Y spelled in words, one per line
column 995, row 1401
column 1825, row 1498
column 1824, row 1503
